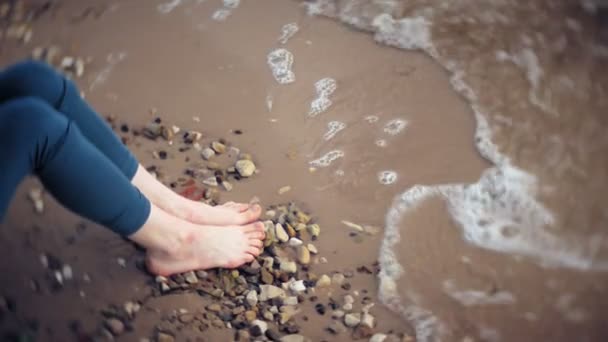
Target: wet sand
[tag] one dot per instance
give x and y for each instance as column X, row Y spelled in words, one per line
column 185, row 64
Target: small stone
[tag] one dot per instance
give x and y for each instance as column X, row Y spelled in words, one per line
column 280, row 233
column 352, row 319
column 115, row 326
column 297, row 286
column 337, row 278
column 269, row 292
column 293, row 300
column 284, row 189
column 218, row 147
column 303, row 255
column 336, row 328
column 207, row 153
column 323, row 281
column 312, row 249
column 211, row 181
column 368, row 320
column 214, row 307
column 258, row 328
column 337, row 314
column 273, row 335
column 378, row 338
column 250, row 315
column 243, row 335
column 186, row 318
column 163, row 337
column 152, row 131
column 270, row 214
column 292, row 338
column 347, row 307
column 348, row 299
column 361, row 332
column 195, row 136
column 131, row 308
column 320, row 308
column 227, row 186
column 268, row 315
column 202, row 274
column 245, row 156
column 314, row 230
column 245, row 167
column 252, row 298
column 190, row 277
column 295, row 242
column 267, row 277
column 288, row 267
column 67, row 272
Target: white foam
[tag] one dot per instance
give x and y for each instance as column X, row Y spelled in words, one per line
column 406, row 33
column 476, row 297
column 232, row 4
column 221, row 14
column 395, row 126
column 387, row 177
column 333, row 128
column 288, row 31
column 280, row 62
column 324, row 88
column 112, row 60
column 269, row 102
column 371, row 119
column 327, row 159
column 169, row 6
column 565, row 306
column 381, row 143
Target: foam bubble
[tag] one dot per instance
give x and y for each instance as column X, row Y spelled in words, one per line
column 387, row 177
column 221, row 14
column 395, row 126
column 324, row 88
column 564, row 305
column 269, row 102
column 406, row 33
column 333, row 127
column 280, row 62
column 476, row 297
column 288, row 31
column 232, row 3
column 327, row 159
column 381, row 143
column 169, row 6
column 371, row 119
column 112, row 59
column 339, row 172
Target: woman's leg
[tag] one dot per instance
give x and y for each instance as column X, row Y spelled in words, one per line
column 35, row 79
column 35, row 138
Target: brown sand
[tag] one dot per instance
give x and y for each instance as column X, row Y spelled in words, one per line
column 186, row 64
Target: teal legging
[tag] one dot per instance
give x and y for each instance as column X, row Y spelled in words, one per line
column 47, row 129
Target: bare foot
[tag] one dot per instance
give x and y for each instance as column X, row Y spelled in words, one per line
column 196, row 212
column 193, row 247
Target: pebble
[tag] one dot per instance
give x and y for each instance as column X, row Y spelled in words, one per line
column 348, row 299
column 245, row 167
column 252, row 298
column 336, row 328
column 293, row 300
column 280, row 233
column 314, row 230
column 320, row 308
column 295, row 242
column 243, row 335
column 367, row 320
column 211, row 181
column 267, row 277
column 273, row 335
column 288, row 267
column 218, row 147
column 207, row 153
column 258, row 328
column 297, row 286
column 323, row 281
column 163, row 337
column 202, row 274
column 337, row 314
column 347, row 307
column 292, row 338
column 186, row 318
column 337, row 278
column 361, row 332
column 303, row 255
column 115, row 326
column 214, row 307
column 378, row 338
column 190, row 277
column 227, row 186
column 351, row 320
column 67, row 272
column 250, row 315
column 312, row 249
column 269, row 292
column 284, row 189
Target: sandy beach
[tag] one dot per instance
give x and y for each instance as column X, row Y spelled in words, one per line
column 397, row 119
